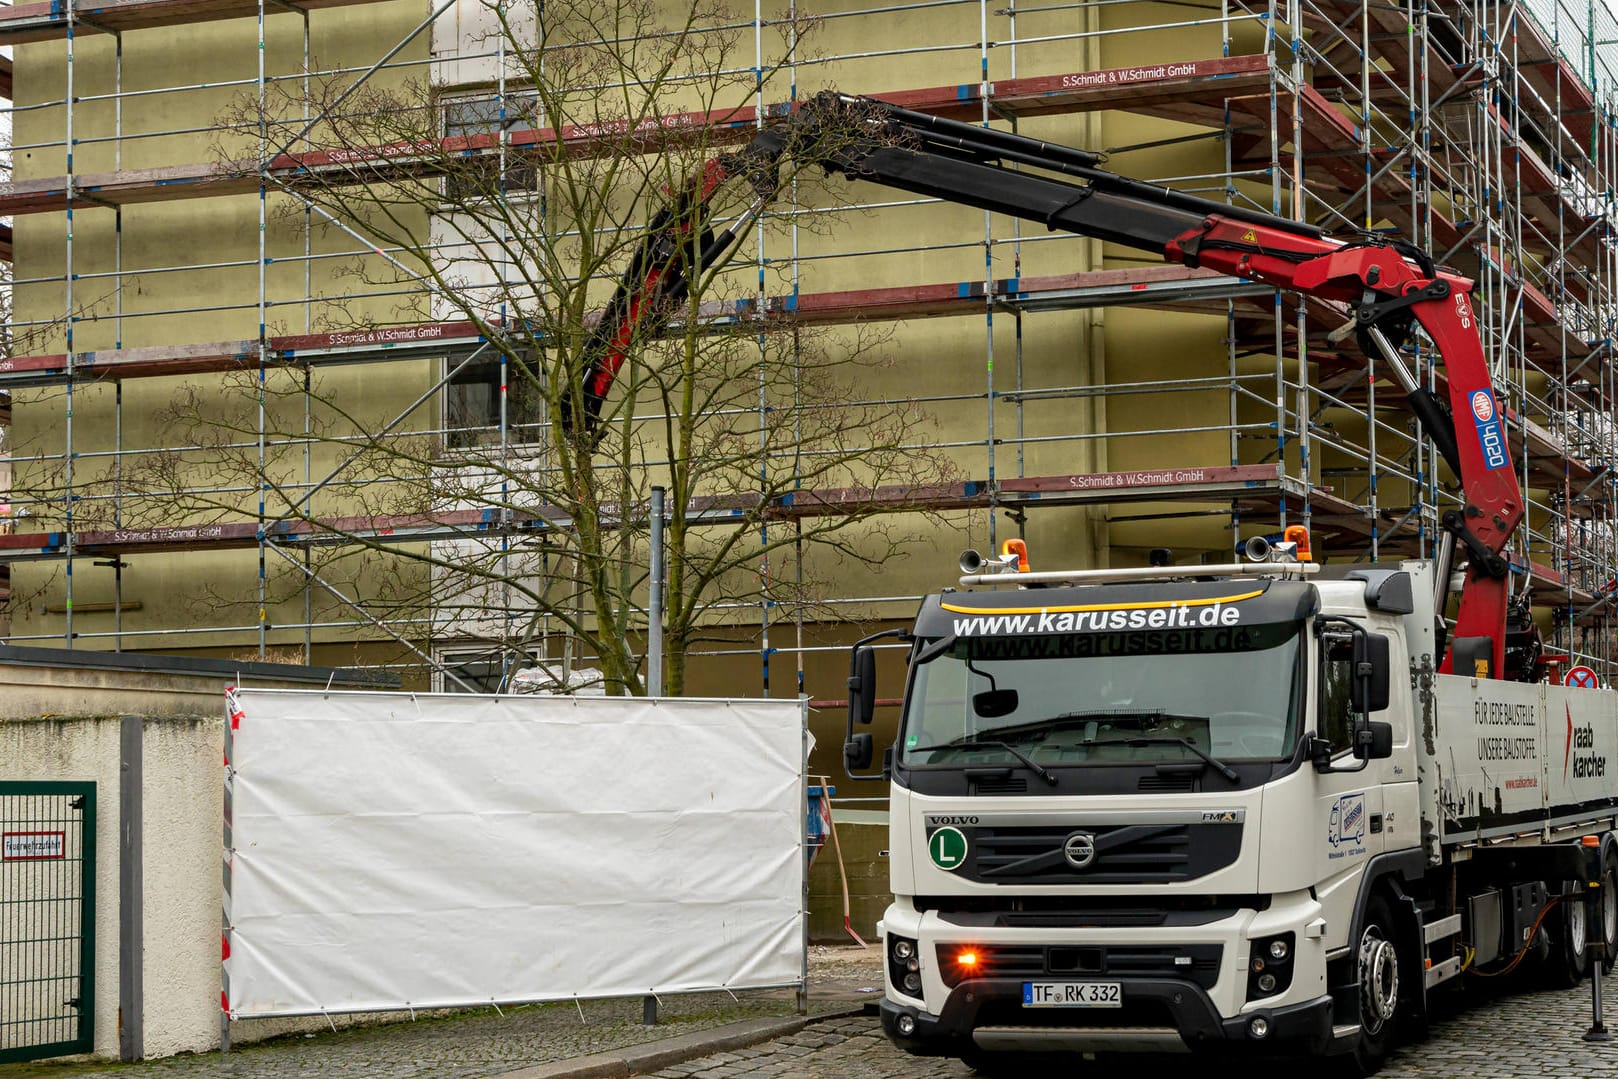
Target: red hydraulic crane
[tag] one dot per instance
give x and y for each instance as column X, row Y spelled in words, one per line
column 1390, row 286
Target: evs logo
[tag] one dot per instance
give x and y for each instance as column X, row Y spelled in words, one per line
column 1491, row 436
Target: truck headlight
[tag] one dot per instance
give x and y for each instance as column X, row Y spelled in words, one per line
column 1269, row 970
column 904, row 965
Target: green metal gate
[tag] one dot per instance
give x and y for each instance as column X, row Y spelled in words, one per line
column 47, row 919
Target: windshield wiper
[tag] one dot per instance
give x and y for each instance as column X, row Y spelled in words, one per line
column 1224, row 769
column 978, row 743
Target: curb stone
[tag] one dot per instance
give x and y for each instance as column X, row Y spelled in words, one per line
column 639, row 1059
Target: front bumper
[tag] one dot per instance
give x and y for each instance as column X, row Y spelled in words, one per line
column 1159, row 1015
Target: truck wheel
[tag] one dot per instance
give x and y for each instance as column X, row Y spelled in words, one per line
column 1382, row 994
column 1609, row 910
column 1570, row 961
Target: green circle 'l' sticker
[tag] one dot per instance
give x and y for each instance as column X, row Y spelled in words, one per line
column 947, row 847
column 911, row 742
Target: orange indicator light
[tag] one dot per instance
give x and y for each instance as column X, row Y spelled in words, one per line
column 1018, row 548
column 1300, row 535
column 967, row 959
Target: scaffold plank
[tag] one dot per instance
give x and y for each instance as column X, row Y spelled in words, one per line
column 1202, row 484
column 48, row 20
column 1158, row 285
column 380, row 342
column 832, row 502
column 1199, row 87
column 1180, row 288
column 237, row 535
column 1554, row 584
column 1258, row 487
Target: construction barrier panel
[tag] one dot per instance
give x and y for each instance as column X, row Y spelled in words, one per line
column 393, row 850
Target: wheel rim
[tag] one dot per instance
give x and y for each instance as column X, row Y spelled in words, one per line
column 1379, row 980
column 1578, row 928
column 1609, row 908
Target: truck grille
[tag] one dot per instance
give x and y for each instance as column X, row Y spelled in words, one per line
column 1198, row 963
column 1124, row 854
column 1007, row 785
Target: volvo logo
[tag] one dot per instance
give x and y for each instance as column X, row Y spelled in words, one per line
column 1080, row 849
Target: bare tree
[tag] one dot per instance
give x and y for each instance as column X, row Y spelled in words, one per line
column 516, row 209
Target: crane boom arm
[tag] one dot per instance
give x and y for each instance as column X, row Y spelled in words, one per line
column 1388, row 285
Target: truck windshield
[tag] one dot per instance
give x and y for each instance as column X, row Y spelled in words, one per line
column 1106, row 698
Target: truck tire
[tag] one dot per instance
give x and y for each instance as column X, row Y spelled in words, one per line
column 1382, row 991
column 1569, row 960
column 1608, row 923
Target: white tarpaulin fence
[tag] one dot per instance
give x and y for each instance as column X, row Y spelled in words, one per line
column 390, row 850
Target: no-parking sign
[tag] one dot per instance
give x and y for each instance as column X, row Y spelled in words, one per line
column 1581, row 677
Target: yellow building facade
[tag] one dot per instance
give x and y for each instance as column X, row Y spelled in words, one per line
column 196, row 348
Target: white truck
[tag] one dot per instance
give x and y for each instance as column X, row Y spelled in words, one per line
column 1254, row 803
column 1164, row 808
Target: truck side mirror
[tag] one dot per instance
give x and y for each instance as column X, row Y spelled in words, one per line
column 858, row 748
column 1373, row 741
column 1368, row 690
column 861, row 686
column 857, row 752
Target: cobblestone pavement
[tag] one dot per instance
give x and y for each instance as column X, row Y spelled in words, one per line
column 469, row 1045
column 1481, row 1033
column 482, row 1044
column 1500, row 1036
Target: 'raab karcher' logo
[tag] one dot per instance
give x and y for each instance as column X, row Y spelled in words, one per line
column 1588, row 763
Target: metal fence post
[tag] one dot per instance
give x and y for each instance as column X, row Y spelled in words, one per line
column 131, row 891
column 654, row 602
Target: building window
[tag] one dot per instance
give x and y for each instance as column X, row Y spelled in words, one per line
column 487, row 113
column 472, row 404
column 482, row 671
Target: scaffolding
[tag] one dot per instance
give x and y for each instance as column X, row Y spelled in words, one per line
column 1482, row 131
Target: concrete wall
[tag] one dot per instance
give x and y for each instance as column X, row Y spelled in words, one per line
column 863, row 838
column 63, row 722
